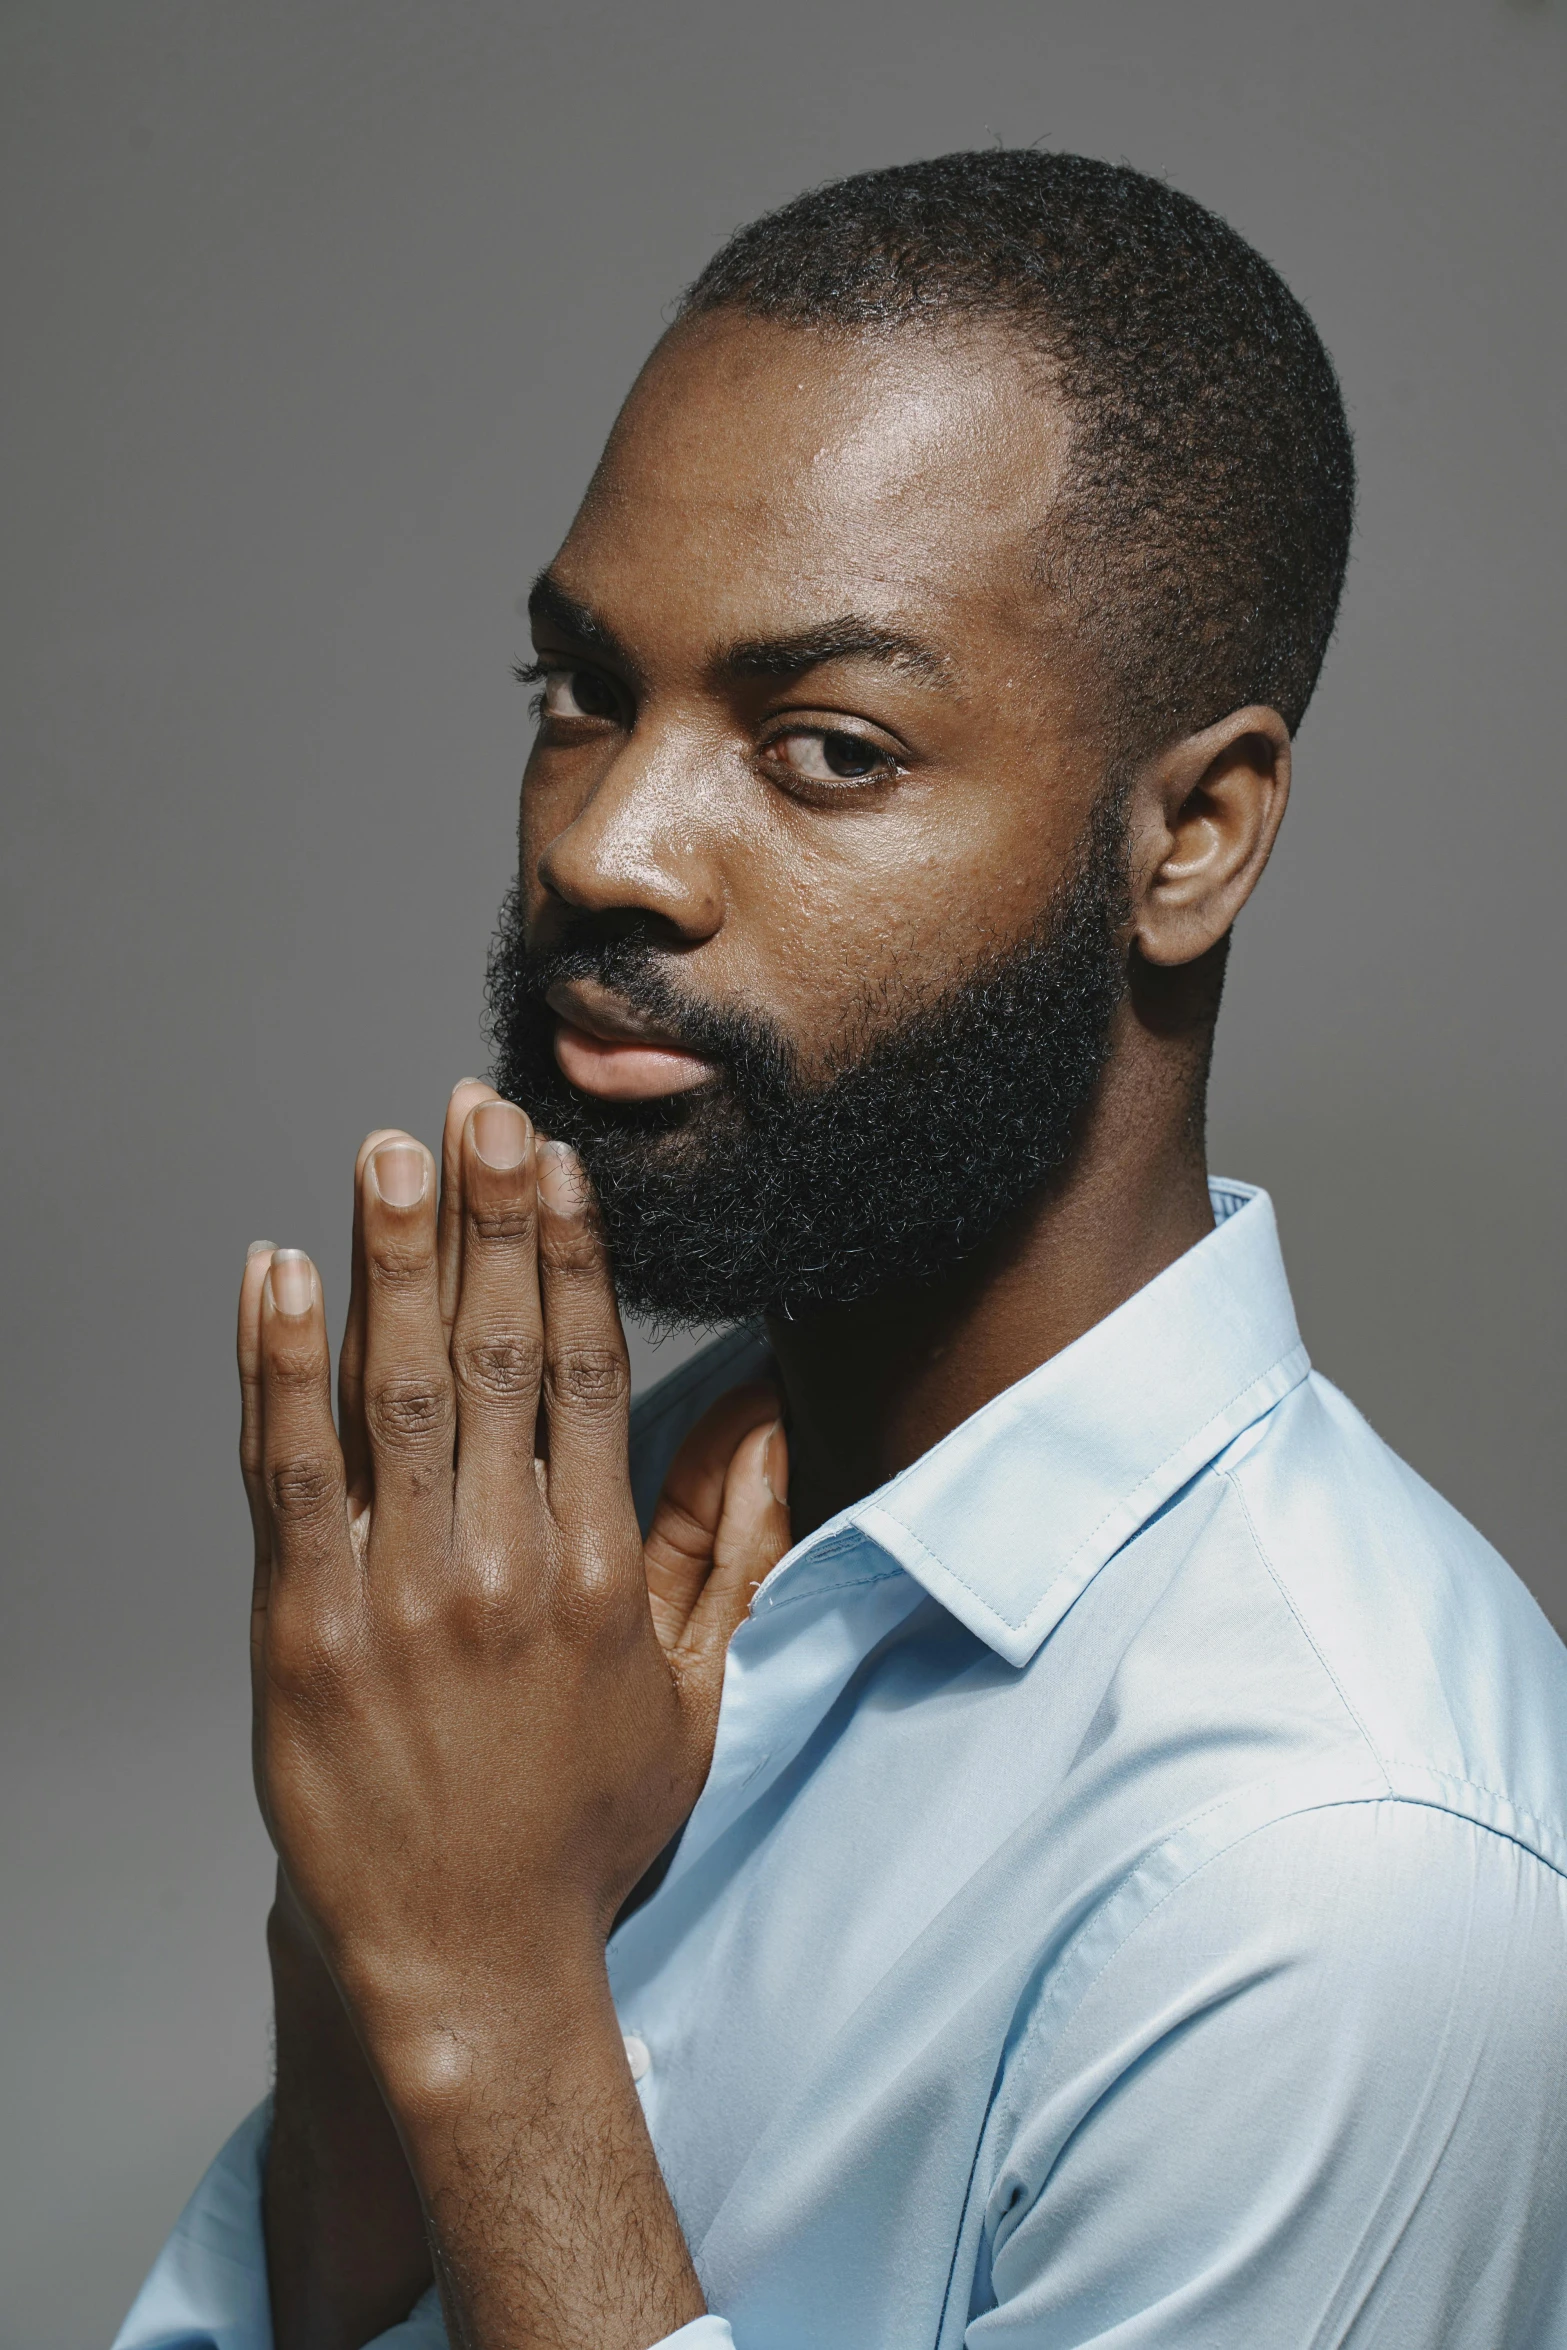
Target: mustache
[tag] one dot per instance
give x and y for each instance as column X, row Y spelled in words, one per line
column 795, row 1180
column 630, row 963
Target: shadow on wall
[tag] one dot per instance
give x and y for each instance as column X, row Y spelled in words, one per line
column 1401, row 1226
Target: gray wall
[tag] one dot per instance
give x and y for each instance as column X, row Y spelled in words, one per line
column 317, row 313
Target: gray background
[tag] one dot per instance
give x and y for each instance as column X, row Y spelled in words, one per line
column 316, row 315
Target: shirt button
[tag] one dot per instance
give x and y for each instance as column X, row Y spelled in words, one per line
column 638, row 2055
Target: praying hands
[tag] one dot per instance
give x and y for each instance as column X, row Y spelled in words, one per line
column 483, row 1705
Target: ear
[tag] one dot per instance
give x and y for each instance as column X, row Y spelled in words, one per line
column 1204, row 817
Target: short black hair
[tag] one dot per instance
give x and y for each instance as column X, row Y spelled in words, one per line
column 1202, row 527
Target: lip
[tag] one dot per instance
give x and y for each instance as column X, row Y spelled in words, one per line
column 604, row 1046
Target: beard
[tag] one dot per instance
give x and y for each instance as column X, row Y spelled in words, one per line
column 770, row 1192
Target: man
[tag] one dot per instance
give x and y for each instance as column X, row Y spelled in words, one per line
column 1045, row 1833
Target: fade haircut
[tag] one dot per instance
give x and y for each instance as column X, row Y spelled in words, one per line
column 1197, row 541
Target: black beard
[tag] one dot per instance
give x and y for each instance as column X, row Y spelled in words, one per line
column 768, row 1194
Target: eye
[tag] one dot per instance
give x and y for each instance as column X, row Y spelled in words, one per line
column 830, row 755
column 569, row 692
column 577, row 693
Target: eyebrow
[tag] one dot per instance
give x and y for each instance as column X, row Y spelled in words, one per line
column 550, row 603
column 848, row 638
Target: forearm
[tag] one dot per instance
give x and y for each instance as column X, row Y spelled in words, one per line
column 472, row 1736
column 549, row 2216
column 347, row 2254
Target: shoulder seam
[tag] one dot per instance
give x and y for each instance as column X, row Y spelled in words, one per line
column 1034, row 2032
column 1282, row 1588
column 1548, row 1831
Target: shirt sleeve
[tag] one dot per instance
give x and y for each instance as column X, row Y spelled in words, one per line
column 208, row 2287
column 1318, row 2095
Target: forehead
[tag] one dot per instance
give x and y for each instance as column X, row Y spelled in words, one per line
column 776, row 476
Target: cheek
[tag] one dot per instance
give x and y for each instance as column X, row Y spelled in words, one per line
column 856, row 915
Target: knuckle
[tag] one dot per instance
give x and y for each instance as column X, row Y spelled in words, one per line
column 574, row 1248
column 410, row 1411
column 301, row 1486
column 501, row 1220
column 589, row 1380
column 399, row 1264
column 409, row 1613
column 310, row 1656
column 594, row 1601
column 498, row 1370
column 294, row 1369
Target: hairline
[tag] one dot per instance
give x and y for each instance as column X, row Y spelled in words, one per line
column 1062, row 545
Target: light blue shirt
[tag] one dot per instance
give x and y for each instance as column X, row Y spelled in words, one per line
column 1128, row 1906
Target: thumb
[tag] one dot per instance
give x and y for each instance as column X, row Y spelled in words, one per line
column 753, row 1534
column 680, row 1548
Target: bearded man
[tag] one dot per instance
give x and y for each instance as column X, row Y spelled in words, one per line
column 997, row 1813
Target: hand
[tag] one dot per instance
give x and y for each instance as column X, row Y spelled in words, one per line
column 467, row 1727
column 482, row 1705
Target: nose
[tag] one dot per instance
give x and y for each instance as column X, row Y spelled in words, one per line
column 639, row 841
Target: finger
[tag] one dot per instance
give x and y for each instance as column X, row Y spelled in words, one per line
column 353, row 1434
column 408, row 1404
column 258, row 1260
column 301, row 1461
column 678, row 1553
column 467, row 1094
column 753, row 1535
column 497, row 1339
column 587, row 1374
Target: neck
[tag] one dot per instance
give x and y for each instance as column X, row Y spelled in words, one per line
column 871, row 1387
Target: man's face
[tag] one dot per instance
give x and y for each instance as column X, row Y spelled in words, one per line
column 812, row 903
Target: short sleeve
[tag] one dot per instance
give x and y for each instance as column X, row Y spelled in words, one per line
column 1318, row 2095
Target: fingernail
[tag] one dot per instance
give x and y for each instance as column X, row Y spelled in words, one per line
column 293, row 1281
column 462, row 1081
column 399, row 1172
column 562, row 1183
column 775, row 1464
column 500, row 1135
column 258, row 1248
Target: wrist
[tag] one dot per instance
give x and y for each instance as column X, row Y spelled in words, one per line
column 435, row 2029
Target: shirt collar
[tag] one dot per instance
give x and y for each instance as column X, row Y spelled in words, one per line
column 1011, row 1515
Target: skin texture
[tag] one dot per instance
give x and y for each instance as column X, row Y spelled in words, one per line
column 482, row 1704
column 408, row 1622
